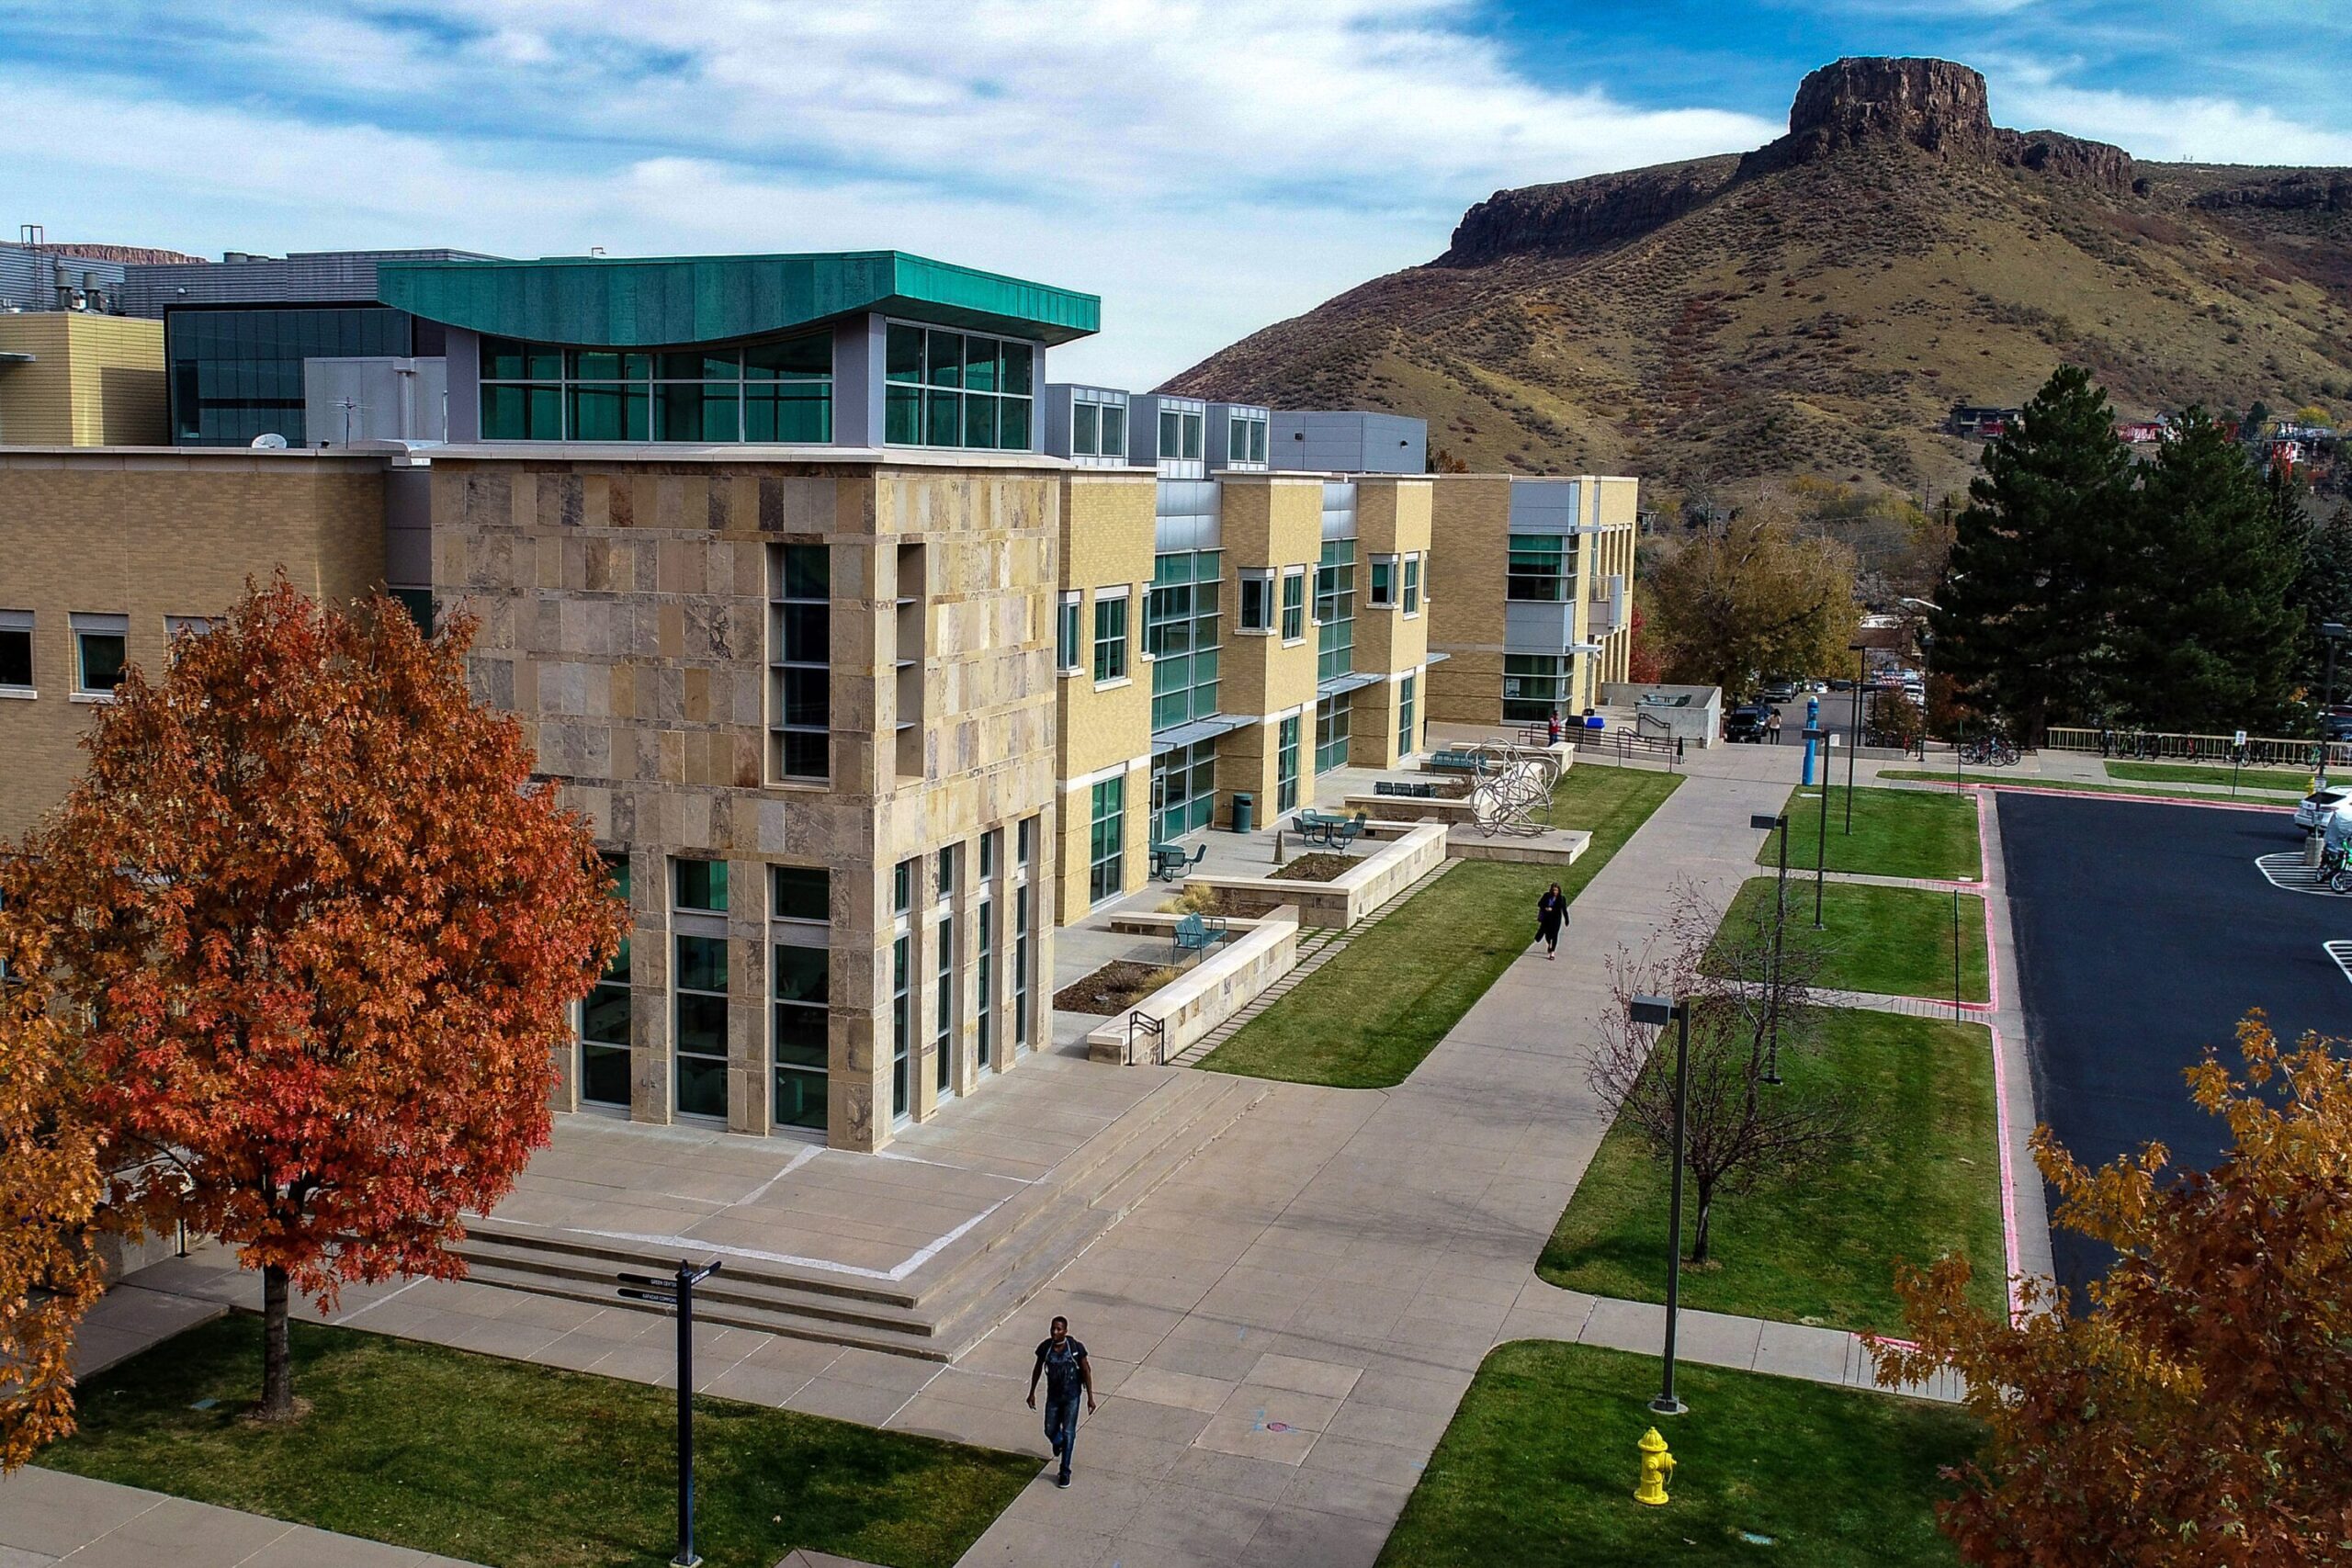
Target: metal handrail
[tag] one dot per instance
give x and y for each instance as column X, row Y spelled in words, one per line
column 2153, row 745
column 1156, row 1029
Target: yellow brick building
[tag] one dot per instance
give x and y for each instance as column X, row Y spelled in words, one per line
column 75, row 378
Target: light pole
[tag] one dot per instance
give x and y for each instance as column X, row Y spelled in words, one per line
column 1654, row 1012
column 1779, row 918
column 1854, row 736
column 1821, row 845
column 677, row 1294
column 2330, row 633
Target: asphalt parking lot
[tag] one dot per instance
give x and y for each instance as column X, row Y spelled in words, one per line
column 2145, row 934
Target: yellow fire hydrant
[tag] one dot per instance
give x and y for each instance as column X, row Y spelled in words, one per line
column 1658, row 1465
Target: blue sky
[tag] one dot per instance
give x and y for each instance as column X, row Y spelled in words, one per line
column 1206, row 167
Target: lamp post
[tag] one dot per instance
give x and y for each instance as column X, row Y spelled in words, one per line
column 1779, row 918
column 1820, row 846
column 1854, row 736
column 2330, row 633
column 1655, row 1012
column 677, row 1294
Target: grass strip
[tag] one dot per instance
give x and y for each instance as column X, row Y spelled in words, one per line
column 2297, row 780
column 2068, row 786
column 1538, row 1468
column 1897, row 832
column 1367, row 1018
column 525, row 1466
column 1894, row 940
column 1921, row 1178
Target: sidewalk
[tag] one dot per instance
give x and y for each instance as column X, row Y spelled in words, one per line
column 48, row 1516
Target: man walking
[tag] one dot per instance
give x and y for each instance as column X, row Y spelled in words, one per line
column 1062, row 1361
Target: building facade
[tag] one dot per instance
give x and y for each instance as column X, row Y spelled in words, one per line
column 76, row 378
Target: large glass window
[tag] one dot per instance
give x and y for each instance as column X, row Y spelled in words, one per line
column 800, row 661
column 1535, row 685
column 1181, row 633
column 17, row 649
column 1405, row 694
column 236, row 373
column 945, row 1000
column 700, row 981
column 1541, row 566
column 1293, row 605
column 604, row 1016
column 1332, row 717
column 945, row 389
column 700, row 885
column 1106, row 844
column 1287, row 764
column 779, row 390
column 1335, row 610
column 903, row 1025
column 1183, row 789
column 1110, row 638
column 984, row 1020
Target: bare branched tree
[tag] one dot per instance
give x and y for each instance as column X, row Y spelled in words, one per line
column 1739, row 1131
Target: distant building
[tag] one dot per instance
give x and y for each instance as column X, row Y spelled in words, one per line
column 74, row 379
column 1980, row 423
column 2142, row 432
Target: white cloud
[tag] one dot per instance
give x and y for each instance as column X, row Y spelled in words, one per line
column 2195, row 129
column 1207, row 168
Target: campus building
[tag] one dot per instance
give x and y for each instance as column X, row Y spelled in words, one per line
column 872, row 653
column 76, row 378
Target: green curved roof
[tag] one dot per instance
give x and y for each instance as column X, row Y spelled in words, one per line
column 651, row 301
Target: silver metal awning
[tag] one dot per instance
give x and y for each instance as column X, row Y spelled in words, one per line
column 1339, row 685
column 1199, row 729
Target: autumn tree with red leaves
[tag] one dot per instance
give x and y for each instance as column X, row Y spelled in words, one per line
column 2200, row 1412
column 326, row 930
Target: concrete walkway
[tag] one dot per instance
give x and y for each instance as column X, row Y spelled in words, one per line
column 47, row 1517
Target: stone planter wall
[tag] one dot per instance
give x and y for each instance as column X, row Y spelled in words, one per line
column 1341, row 902
column 1229, row 979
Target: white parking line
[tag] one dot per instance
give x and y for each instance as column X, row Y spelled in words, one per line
column 2288, row 870
column 2342, row 952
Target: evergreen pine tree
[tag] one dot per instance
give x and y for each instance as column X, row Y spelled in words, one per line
column 2023, row 624
column 2322, row 591
column 2207, row 639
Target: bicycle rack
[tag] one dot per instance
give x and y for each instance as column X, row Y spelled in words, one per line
column 1155, row 1029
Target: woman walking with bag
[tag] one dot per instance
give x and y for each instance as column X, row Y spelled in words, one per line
column 1551, row 914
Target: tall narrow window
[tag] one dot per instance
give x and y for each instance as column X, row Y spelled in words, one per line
column 1065, row 634
column 799, row 932
column 903, row 888
column 1383, row 583
column 1085, row 430
column 942, row 1046
column 1110, row 638
column 698, row 981
column 1115, row 430
column 1295, row 603
column 15, row 650
column 800, row 662
column 1413, row 584
column 1021, row 895
column 1182, row 616
column 1405, row 694
column 1333, row 720
column 901, row 1028
column 1257, row 602
column 1335, row 610
column 604, row 1016
column 1106, row 858
column 985, row 1019
column 1287, row 764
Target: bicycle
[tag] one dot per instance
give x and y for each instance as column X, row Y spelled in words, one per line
column 1991, row 752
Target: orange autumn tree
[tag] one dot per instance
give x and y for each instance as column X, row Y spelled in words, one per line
column 2200, row 1412
column 50, row 1188
column 326, row 930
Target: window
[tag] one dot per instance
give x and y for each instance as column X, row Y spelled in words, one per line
column 1098, row 430
column 1183, row 787
column 1287, row 764
column 1257, row 602
column 945, row 886
column 989, row 851
column 1540, row 566
column 984, row 1020
column 700, row 979
column 942, row 1044
column 802, row 978
column 1331, row 727
column 1405, row 693
column 1024, row 841
column 1021, row 895
column 1192, row 438
column 903, row 888
column 1106, row 844
column 1180, row 434
column 1413, row 584
column 233, row 375
column 1535, row 685
column 946, row 388
column 801, row 675
column 780, row 390
column 604, row 1016
column 1110, row 638
column 801, row 892
column 1065, row 634
column 418, row 603
column 1383, row 583
column 1335, row 610
column 1293, row 603
column 1179, row 632
column 902, row 1029
column 99, row 644
column 176, row 626
column 1115, row 430
column 699, row 886
column 15, row 651
column 1245, row 438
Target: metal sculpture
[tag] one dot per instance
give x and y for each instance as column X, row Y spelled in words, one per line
column 1510, row 791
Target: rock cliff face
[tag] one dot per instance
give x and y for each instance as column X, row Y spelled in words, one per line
column 2300, row 192
column 1578, row 216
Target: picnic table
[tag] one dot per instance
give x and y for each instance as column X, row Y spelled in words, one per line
column 1169, row 861
column 1334, row 833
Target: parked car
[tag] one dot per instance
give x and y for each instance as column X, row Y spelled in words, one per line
column 1746, row 723
column 1778, row 692
column 2316, row 808
column 2336, row 727
column 1839, row 683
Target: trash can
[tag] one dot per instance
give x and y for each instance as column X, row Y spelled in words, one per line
column 2313, row 842
column 1244, row 812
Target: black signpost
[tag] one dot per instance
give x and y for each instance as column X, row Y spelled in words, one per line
column 678, row 1294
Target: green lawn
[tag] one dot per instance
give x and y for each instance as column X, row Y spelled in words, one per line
column 1921, row 1178
column 1897, row 832
column 1895, row 941
column 1367, row 1018
column 1538, row 1469
column 2299, row 779
column 523, row 1466
column 2066, row 787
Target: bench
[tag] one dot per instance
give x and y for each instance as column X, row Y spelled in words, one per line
column 1196, row 933
column 1169, row 862
column 1411, row 791
column 1455, row 762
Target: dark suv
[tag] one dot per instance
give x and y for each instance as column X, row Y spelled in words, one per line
column 1746, row 724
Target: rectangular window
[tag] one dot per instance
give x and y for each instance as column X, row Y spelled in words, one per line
column 101, row 644
column 1335, row 610
column 1287, row 764
column 1106, row 845
column 1540, row 566
column 15, row 650
column 1191, row 425
column 1413, row 584
column 799, row 1024
column 1110, row 638
column 1183, row 789
column 1236, row 440
column 779, row 390
column 699, row 979
column 1179, row 632
column 989, row 851
column 942, row 1043
column 1085, row 430
column 1170, row 431
column 1019, row 966
column 1115, row 430
column 1332, row 717
column 945, row 886
column 1383, row 583
column 604, row 1016
column 1066, row 633
column 1535, row 685
column 801, row 675
column 984, row 1018
column 903, row 888
column 1293, row 603
column 902, row 1031
column 1258, row 440
column 177, row 626
column 801, row 892
column 949, row 388
column 699, row 886
column 1024, row 839
column 1257, row 602
column 1405, row 693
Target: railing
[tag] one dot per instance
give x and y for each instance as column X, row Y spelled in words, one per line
column 2153, row 745
column 1153, row 1028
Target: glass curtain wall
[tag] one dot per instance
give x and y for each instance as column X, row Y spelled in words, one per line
column 1541, row 567
column 1335, row 610
column 1535, row 685
column 238, row 374
column 1183, row 782
column 778, row 390
column 1106, row 841
column 1181, row 633
column 699, row 979
column 1287, row 764
column 1332, row 719
column 946, row 388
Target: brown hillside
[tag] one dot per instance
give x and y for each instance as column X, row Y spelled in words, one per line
column 1817, row 305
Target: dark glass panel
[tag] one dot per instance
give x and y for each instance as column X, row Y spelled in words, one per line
column 807, row 698
column 801, row 892
column 700, row 364
column 807, row 571
column 605, row 1015
column 806, row 755
column 799, row 974
column 16, row 657
column 902, row 416
column 1017, row 363
column 102, row 661
column 902, row 354
column 502, row 359
column 790, row 359
column 945, row 359
column 604, row 1074
column 800, row 1100
column 979, row 365
column 940, row 428
column 799, row 1036
column 808, row 634
column 1013, row 424
column 702, row 963
column 701, row 1086
column 701, row 884
column 980, row 422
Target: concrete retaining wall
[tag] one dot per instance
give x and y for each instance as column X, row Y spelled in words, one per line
column 1213, row 990
column 1349, row 897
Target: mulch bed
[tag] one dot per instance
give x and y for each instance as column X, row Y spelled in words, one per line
column 1114, row 987
column 1316, row 868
